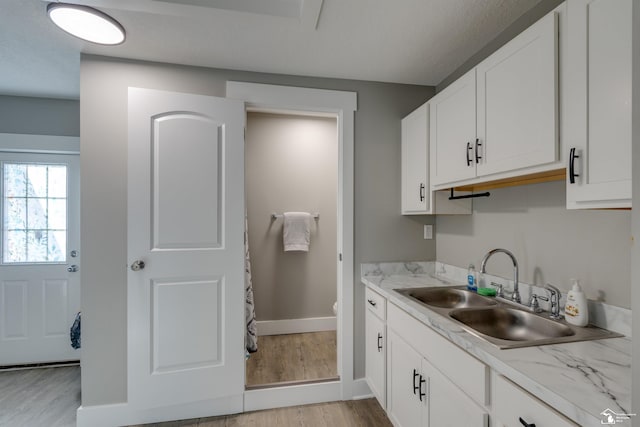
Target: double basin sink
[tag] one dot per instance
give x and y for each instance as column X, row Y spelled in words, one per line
column 501, row 322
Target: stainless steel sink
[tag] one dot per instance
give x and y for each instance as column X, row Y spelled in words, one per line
column 511, row 324
column 502, row 323
column 447, row 297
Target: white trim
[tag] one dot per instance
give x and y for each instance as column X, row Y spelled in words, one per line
column 46, row 144
column 296, row 326
column 343, row 104
column 361, row 389
column 123, row 414
column 292, row 395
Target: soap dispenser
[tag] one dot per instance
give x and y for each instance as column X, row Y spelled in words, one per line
column 576, row 310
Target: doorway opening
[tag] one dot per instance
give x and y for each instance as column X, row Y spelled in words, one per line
column 291, row 170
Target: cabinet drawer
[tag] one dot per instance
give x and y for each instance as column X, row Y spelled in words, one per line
column 510, row 403
column 376, row 303
column 464, row 370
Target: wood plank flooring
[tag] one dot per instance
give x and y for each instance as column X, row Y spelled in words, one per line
column 294, row 357
column 354, row 413
column 45, row 397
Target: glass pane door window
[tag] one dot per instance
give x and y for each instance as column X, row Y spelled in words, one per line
column 34, row 213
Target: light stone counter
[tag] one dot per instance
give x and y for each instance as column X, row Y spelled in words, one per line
column 580, row 380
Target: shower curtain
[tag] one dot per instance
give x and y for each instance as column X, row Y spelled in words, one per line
column 251, row 339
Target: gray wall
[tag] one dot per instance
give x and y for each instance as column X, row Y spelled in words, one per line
column 551, row 243
column 39, row 116
column 381, row 234
column 291, row 164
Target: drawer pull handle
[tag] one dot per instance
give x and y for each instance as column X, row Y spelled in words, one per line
column 415, row 387
column 372, row 302
column 525, row 424
column 423, row 394
column 379, row 342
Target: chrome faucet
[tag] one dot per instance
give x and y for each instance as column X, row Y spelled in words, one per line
column 515, row 296
column 555, row 301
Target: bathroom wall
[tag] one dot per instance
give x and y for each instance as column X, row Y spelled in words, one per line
column 291, row 164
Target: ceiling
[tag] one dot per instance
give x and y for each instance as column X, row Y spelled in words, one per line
column 400, row 41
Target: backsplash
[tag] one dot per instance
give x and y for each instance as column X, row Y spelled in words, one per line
column 603, row 315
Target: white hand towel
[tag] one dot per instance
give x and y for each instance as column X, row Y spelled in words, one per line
column 296, row 232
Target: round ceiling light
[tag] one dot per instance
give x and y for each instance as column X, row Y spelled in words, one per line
column 86, row 23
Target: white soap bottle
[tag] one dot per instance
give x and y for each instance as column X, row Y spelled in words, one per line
column 576, row 310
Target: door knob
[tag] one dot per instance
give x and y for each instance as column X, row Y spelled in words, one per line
column 72, row 268
column 137, row 265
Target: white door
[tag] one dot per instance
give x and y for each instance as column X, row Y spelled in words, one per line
column 39, row 241
column 599, row 92
column 185, row 223
column 452, row 121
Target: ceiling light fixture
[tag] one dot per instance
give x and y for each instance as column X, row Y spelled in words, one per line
column 86, row 23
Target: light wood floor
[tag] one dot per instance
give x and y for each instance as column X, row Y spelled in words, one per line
column 45, row 397
column 354, row 413
column 294, row 357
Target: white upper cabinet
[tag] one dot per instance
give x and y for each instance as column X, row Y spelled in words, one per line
column 453, row 131
column 418, row 197
column 599, row 94
column 415, row 161
column 500, row 120
column 517, row 107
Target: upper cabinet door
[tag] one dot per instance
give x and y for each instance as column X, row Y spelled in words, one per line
column 518, row 103
column 599, row 93
column 453, row 131
column 415, row 162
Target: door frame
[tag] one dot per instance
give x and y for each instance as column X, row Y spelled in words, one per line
column 343, row 105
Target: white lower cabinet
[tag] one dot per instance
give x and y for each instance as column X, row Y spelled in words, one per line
column 376, row 345
column 419, row 393
column 376, row 350
column 514, row 407
column 424, row 380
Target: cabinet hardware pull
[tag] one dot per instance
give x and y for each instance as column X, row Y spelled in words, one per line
column 469, row 147
column 421, row 192
column 478, row 144
column 572, row 160
column 415, row 375
column 423, row 394
column 372, row 302
column 379, row 342
column 525, row 424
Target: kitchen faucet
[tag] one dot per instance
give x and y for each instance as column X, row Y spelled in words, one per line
column 515, row 296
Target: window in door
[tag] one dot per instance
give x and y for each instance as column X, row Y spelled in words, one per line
column 34, row 213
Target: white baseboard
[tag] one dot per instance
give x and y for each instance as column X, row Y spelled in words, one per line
column 296, row 326
column 292, row 395
column 361, row 389
column 124, row 414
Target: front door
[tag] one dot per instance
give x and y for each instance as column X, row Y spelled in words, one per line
column 185, row 248
column 39, row 257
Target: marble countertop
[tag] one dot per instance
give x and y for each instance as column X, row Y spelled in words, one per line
column 580, row 379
